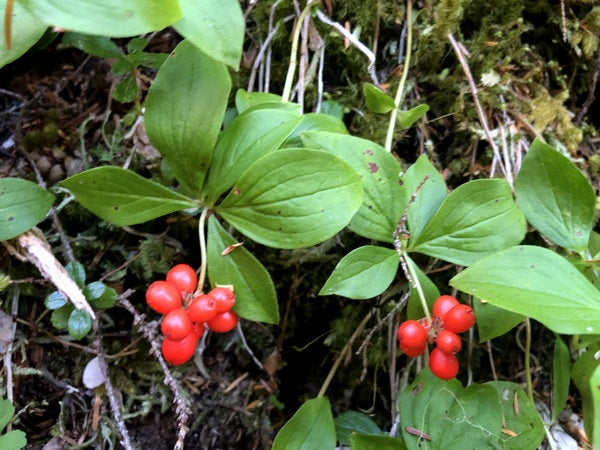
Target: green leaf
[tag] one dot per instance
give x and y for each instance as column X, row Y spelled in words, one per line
column 254, row 289
column 116, row 18
column 100, row 295
column 77, row 273
column 27, row 29
column 453, row 417
column 79, row 324
column 363, row 273
column 7, row 410
column 585, row 376
column 354, row 422
column 525, row 421
column 333, row 108
column 122, row 197
column 406, row 119
column 493, row 321
column 126, row 90
column 561, row 376
column 537, row 283
column 245, row 99
column 477, row 219
column 414, row 309
column 555, row 197
column 55, row 300
column 13, row 440
column 310, row 428
column 375, row 442
column 152, row 60
column 377, row 101
column 383, row 203
column 184, row 110
column 23, row 205
column 429, row 197
column 247, row 138
column 293, row 198
column 60, row 316
column 100, row 46
column 216, row 28
column 594, row 244
column 315, row 122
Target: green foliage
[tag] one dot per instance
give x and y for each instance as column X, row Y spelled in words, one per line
column 23, row 205
column 116, row 18
column 350, row 422
column 555, row 197
column 66, row 316
column 311, row 427
column 126, row 65
column 30, row 27
column 538, row 283
column 215, row 28
column 585, row 376
column 454, row 417
column 12, row 440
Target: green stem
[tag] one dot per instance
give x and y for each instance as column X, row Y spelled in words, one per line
column 417, row 285
column 398, row 99
column 528, row 360
column 201, row 235
column 287, row 88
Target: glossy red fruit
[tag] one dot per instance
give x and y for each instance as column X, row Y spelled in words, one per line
column 448, row 342
column 163, row 297
column 224, row 298
column 412, row 334
column 179, row 352
column 443, row 365
column 203, row 308
column 224, row 322
column 459, row 319
column 443, row 304
column 183, row 277
column 176, row 325
column 198, row 330
column 413, row 351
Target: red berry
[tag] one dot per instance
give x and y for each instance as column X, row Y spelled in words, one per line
column 183, row 277
column 224, row 322
column 459, row 319
column 443, row 365
column 413, row 351
column 412, row 334
column 163, row 297
column 203, row 308
column 176, row 325
column 448, row 342
column 442, row 305
column 198, row 330
column 224, row 298
column 179, row 352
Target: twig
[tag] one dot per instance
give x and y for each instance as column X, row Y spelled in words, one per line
column 482, row 120
column 8, row 354
column 389, row 137
column 591, row 90
column 343, row 354
column 359, row 45
column 247, row 347
column 320, row 79
column 492, row 363
column 182, row 410
column 269, row 48
column 112, row 398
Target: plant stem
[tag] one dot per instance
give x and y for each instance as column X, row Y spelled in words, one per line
column 398, row 99
column 342, row 355
column 287, row 88
column 417, row 285
column 528, row 360
column 201, row 235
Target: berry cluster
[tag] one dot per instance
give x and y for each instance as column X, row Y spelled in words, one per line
column 449, row 318
column 184, row 323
